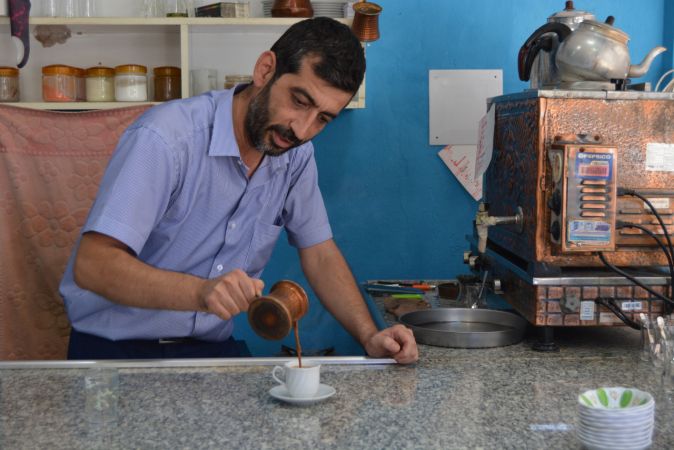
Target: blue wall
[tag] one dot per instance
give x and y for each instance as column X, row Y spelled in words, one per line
column 396, row 211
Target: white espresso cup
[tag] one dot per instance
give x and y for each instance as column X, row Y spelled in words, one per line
column 299, row 381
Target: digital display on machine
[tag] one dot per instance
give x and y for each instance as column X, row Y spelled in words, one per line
column 594, row 166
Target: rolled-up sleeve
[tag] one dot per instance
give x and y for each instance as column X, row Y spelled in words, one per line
column 136, row 188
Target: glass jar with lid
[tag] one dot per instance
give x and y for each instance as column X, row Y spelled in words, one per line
column 9, row 84
column 100, row 84
column 59, row 83
column 167, row 82
column 131, row 83
column 233, row 80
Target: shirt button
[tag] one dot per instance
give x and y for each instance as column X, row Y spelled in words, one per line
column 232, row 225
column 219, row 267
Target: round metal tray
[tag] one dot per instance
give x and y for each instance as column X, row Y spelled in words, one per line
column 464, row 327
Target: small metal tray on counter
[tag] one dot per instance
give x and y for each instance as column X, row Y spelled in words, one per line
column 465, row 327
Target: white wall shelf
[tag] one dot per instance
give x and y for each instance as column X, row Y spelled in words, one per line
column 229, row 45
column 77, row 106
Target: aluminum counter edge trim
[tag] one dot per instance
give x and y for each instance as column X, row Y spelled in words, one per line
column 190, row 362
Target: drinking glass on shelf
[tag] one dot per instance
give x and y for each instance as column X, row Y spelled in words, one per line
column 152, row 8
column 189, row 6
column 203, row 80
column 50, row 8
column 68, row 8
column 86, row 8
column 175, row 8
column 59, row 8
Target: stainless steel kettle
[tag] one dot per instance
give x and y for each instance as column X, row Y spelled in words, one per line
column 594, row 52
column 598, row 52
column 538, row 67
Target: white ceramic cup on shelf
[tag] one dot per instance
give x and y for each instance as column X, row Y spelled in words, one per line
column 301, row 382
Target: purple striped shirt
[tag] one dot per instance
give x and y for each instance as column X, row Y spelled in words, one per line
column 176, row 192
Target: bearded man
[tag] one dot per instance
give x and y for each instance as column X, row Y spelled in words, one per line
column 193, row 201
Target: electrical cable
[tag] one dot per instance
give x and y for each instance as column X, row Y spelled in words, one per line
column 610, row 304
column 662, row 78
column 651, row 234
column 632, row 279
column 669, row 87
column 656, row 214
column 625, row 191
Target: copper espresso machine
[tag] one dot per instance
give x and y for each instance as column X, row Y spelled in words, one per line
column 561, row 191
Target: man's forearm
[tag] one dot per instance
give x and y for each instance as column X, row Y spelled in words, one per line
column 105, row 266
column 332, row 281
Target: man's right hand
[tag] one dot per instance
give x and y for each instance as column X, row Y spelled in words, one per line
column 230, row 294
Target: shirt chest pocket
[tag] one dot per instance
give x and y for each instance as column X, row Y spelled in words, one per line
column 261, row 247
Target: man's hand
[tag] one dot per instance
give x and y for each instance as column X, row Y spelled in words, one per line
column 397, row 342
column 230, row 294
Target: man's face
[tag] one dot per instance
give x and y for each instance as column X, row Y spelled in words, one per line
column 291, row 110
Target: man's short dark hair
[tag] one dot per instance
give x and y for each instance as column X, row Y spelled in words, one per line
column 340, row 56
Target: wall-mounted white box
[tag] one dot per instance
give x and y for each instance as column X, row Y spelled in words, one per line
column 457, row 102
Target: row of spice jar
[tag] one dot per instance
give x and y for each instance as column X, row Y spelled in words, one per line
column 9, row 84
column 125, row 83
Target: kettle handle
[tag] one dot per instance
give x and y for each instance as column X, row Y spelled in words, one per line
column 536, row 42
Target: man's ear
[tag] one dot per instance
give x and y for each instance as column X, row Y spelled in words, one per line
column 265, row 67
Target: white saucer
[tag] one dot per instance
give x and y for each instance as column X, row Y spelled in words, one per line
column 281, row 393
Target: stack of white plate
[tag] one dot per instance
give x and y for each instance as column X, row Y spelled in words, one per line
column 328, row 9
column 321, row 8
column 616, row 418
column 266, row 7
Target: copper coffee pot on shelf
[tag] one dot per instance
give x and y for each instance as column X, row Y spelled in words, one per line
column 292, row 8
column 365, row 23
column 272, row 316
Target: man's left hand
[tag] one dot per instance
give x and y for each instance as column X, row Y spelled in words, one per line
column 396, row 342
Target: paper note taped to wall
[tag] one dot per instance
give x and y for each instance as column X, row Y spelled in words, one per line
column 460, row 159
column 485, row 142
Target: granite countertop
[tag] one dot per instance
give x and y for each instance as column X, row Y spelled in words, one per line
column 508, row 397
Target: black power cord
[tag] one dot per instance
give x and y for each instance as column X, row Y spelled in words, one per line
column 633, row 280
column 610, row 304
column 651, row 234
column 668, row 251
column 632, row 192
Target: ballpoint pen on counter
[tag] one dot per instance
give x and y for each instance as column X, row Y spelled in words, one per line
column 422, row 285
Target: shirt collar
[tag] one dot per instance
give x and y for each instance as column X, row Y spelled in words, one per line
column 223, row 141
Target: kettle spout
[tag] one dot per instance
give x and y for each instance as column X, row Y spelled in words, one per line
column 639, row 70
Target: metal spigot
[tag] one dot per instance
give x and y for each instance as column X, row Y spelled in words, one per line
column 483, row 221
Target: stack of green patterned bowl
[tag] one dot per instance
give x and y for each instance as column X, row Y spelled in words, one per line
column 616, row 418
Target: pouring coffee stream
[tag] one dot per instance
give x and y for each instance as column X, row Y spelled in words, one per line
column 297, row 344
column 273, row 315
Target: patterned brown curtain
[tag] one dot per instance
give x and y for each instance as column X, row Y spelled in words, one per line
column 50, row 167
